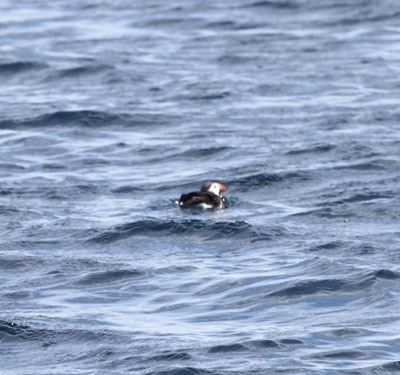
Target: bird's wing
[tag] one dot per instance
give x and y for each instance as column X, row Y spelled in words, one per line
column 198, row 198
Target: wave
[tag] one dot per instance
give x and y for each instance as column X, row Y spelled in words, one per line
column 14, row 332
column 183, row 371
column 17, row 67
column 193, row 153
column 391, row 366
column 264, row 344
column 260, row 180
column 283, row 344
column 368, row 167
column 327, row 214
column 344, row 332
column 339, row 355
column 370, row 17
column 97, row 278
column 328, row 246
column 211, row 96
column 277, row 4
column 17, row 264
column 325, row 286
column 315, row 149
column 361, row 197
column 84, row 70
column 175, row 356
column 386, row 274
column 205, row 230
column 258, row 343
column 228, row 348
column 86, row 119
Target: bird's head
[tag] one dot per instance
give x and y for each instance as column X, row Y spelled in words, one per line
column 213, row 187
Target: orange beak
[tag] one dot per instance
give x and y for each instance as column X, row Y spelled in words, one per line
column 223, row 188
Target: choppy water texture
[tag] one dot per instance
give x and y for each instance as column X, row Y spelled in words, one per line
column 112, row 109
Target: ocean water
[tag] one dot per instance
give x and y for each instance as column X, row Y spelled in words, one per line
column 110, row 110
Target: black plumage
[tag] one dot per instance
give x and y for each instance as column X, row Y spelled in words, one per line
column 206, row 198
column 200, row 198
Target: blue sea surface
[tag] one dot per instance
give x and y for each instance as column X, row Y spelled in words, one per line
column 110, row 110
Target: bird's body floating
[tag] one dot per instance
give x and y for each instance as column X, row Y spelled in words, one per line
column 208, row 197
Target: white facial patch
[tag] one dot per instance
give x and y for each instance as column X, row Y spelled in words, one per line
column 215, row 188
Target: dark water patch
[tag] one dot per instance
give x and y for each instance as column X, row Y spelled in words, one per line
column 260, row 180
column 91, row 161
column 352, row 152
column 391, row 366
column 49, row 151
column 364, row 249
column 228, row 348
column 11, row 332
column 18, row 264
column 7, row 69
column 372, row 166
column 174, row 269
column 83, row 71
column 31, row 142
column 173, row 21
column 340, row 355
column 290, row 342
column 19, row 295
column 11, row 167
column 108, row 277
column 271, row 4
column 211, row 96
column 175, row 186
column 328, row 246
column 53, row 167
column 204, row 152
column 360, row 197
column 128, row 189
column 328, row 213
column 193, row 153
column 386, row 368
column 97, row 355
column 292, row 89
column 222, row 24
column 387, row 274
column 233, row 59
column 86, row 119
column 47, row 190
column 147, row 150
column 29, row 244
column 183, row 371
column 201, row 229
column 7, row 210
column 171, row 307
column 326, row 286
column 367, row 17
column 264, row 344
column 178, row 356
column 344, row 332
column 110, row 148
column 315, row 149
column 6, row 191
column 214, row 289
column 310, row 287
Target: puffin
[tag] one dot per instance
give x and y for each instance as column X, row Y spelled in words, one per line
column 208, row 197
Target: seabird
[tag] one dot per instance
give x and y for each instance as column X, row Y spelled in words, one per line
column 208, row 197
